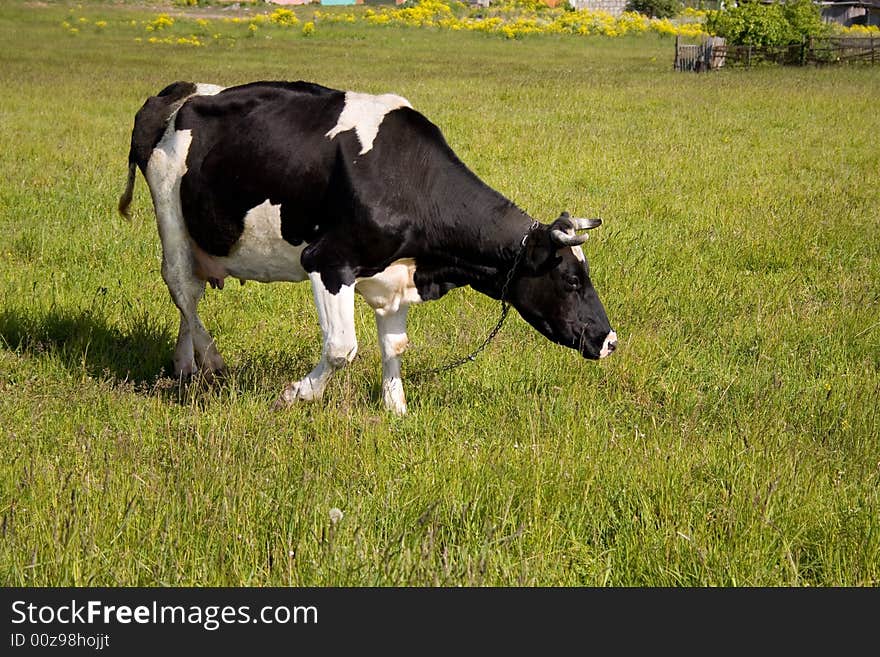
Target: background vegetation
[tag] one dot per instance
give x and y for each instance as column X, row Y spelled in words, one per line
column 655, row 8
column 754, row 23
column 732, row 440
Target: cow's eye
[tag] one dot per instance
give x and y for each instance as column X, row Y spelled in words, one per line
column 572, row 282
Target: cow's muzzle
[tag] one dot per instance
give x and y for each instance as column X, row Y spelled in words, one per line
column 609, row 345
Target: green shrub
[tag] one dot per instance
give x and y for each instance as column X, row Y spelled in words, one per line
column 755, row 24
column 804, row 18
column 655, row 8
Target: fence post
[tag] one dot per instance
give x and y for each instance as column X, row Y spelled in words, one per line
column 675, row 63
column 749, row 57
column 803, row 50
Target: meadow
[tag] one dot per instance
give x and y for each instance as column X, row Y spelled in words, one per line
column 732, row 440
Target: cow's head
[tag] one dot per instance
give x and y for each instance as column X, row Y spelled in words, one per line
column 553, row 292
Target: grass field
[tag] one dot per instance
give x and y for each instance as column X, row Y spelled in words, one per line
column 732, row 440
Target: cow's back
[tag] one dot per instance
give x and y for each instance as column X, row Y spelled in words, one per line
column 253, row 143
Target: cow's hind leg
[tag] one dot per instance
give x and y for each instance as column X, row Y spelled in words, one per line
column 184, row 355
column 195, row 350
column 393, row 341
column 336, row 316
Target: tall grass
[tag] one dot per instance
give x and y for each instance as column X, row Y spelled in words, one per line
column 732, row 440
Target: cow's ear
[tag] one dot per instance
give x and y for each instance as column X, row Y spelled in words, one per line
column 540, row 251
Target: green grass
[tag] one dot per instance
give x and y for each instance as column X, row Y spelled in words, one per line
column 732, row 440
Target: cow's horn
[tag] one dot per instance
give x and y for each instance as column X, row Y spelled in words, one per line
column 585, row 224
column 561, row 238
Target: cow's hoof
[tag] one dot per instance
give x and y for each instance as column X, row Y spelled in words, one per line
column 392, row 394
column 295, row 392
column 185, row 377
column 280, row 404
column 212, row 377
column 212, row 369
column 185, row 370
column 398, row 407
column 213, row 364
column 397, row 410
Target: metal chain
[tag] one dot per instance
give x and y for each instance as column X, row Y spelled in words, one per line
column 505, row 308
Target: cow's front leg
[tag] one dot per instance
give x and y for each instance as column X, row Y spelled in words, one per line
column 336, row 316
column 393, row 341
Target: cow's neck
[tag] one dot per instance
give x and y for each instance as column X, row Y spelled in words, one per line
column 481, row 244
column 504, row 254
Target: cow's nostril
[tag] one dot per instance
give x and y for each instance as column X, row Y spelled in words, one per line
column 612, row 345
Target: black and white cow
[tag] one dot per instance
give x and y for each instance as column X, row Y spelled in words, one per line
column 284, row 181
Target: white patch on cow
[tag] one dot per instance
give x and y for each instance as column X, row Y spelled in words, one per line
column 391, row 288
column 579, row 253
column 390, row 293
column 365, row 113
column 205, row 89
column 261, row 254
column 165, row 168
column 336, row 316
column 167, row 162
column 393, row 341
column 609, row 345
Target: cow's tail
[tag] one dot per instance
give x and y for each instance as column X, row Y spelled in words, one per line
column 125, row 199
column 149, row 126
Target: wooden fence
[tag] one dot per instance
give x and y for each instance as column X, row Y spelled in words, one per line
column 699, row 57
column 714, row 53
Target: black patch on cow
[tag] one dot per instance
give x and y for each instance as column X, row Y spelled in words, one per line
column 252, row 143
column 152, row 119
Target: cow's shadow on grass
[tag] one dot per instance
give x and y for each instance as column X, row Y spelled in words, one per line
column 84, row 341
column 138, row 356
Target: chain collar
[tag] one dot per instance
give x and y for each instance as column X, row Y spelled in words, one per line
column 505, row 308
